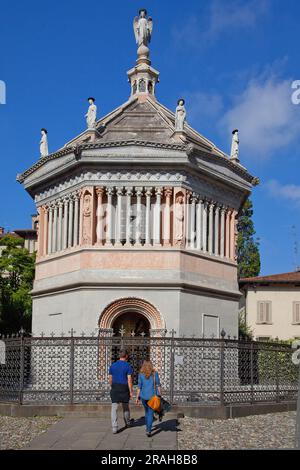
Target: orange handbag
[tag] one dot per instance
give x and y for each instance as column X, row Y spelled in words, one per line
column 154, row 402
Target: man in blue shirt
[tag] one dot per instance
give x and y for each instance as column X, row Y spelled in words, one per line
column 120, row 380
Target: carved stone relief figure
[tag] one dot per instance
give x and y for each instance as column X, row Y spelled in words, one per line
column 178, row 218
column 87, row 219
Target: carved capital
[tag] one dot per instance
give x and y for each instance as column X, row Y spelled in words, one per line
column 148, row 192
column 168, row 192
column 110, row 191
column 212, row 205
column 139, row 191
column 194, row 198
column 100, row 191
column 158, row 191
column 129, row 191
column 120, row 191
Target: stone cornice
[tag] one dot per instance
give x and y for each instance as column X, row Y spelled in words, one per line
column 77, row 149
column 188, row 149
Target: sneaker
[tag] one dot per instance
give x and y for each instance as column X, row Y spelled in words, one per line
column 115, row 431
column 148, row 434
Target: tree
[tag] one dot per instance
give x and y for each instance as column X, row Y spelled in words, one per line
column 17, row 268
column 248, row 257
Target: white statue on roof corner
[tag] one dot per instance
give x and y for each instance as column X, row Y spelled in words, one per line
column 142, row 27
column 91, row 115
column 44, row 143
column 234, row 153
column 180, row 115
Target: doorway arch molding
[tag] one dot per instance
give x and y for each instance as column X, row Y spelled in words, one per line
column 131, row 304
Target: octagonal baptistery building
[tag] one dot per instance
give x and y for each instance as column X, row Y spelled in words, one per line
column 137, row 224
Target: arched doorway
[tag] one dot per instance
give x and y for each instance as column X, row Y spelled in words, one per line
column 131, row 332
column 128, row 305
column 131, row 324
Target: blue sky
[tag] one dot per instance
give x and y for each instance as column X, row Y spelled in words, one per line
column 233, row 61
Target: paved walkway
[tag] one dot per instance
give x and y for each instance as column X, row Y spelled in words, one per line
column 95, row 434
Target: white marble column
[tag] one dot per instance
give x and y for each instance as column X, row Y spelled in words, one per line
column 227, row 247
column 59, row 225
column 109, row 225
column 50, row 230
column 54, row 239
column 157, row 217
column 187, row 220
column 233, row 235
column 46, row 234
column 204, row 227
column 167, row 217
column 119, row 216
column 100, row 215
column 76, row 219
column 210, row 227
column 65, row 225
column 199, row 210
column 138, row 226
column 148, row 217
column 222, row 237
column 128, row 215
column 70, row 228
column 217, row 230
column 193, row 221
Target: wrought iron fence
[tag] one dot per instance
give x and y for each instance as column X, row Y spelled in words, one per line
column 198, row 371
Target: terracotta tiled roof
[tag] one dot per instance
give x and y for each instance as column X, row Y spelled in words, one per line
column 273, row 278
column 11, row 234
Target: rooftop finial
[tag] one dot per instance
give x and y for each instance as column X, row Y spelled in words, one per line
column 143, row 78
column 142, row 27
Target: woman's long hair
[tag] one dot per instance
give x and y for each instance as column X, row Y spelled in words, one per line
column 147, row 369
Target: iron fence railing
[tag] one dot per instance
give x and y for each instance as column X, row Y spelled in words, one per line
column 197, row 371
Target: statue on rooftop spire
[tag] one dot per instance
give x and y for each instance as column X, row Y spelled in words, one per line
column 180, row 116
column 44, row 143
column 234, row 153
column 91, row 116
column 142, row 27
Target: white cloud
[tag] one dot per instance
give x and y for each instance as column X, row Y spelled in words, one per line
column 202, row 107
column 265, row 116
column 290, row 192
column 234, row 15
column 221, row 17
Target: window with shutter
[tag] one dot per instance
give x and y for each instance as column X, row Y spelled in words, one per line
column 268, row 312
column 260, row 315
column 264, row 313
column 296, row 312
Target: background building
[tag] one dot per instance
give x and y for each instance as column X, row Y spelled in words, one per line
column 28, row 235
column 271, row 305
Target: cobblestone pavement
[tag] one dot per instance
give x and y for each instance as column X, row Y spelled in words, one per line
column 270, row 431
column 16, row 433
